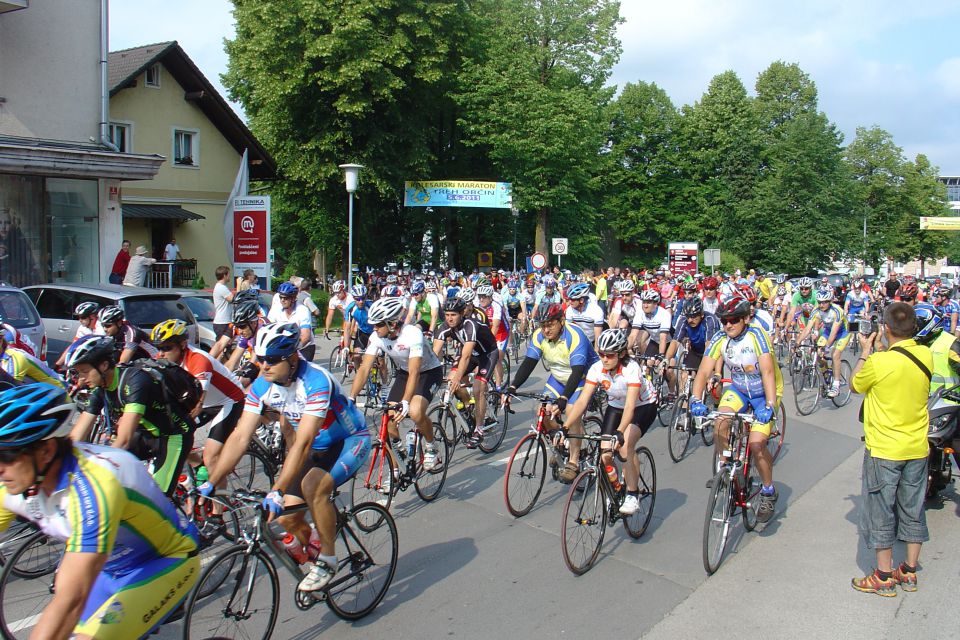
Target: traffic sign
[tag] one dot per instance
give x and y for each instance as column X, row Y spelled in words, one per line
column 560, row 246
column 485, row 259
column 711, row 257
column 538, row 261
column 683, row 257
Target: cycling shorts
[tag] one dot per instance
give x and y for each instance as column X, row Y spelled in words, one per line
column 555, row 388
column 502, row 344
column 514, row 312
column 427, row 384
column 341, row 461
column 737, row 401
column 132, row 604
column 653, row 348
column 840, row 343
column 484, row 364
column 360, row 341
column 217, row 426
column 693, row 360
column 166, row 453
column 643, row 416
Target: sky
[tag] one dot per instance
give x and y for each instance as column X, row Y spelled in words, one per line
column 881, row 63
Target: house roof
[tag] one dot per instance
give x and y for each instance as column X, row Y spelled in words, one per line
column 126, row 65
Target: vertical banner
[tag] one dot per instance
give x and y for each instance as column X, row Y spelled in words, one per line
column 240, row 185
column 251, row 235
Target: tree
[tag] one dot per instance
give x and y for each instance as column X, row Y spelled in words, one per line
column 922, row 194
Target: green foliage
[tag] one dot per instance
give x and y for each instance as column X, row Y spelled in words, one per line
column 198, row 283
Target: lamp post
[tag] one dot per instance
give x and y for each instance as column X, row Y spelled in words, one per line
column 516, row 214
column 351, row 175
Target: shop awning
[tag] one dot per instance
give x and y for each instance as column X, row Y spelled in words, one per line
column 159, row 212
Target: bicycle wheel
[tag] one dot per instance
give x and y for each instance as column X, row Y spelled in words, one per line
column 375, row 483
column 438, row 414
column 506, row 368
column 584, row 522
column 367, row 565
column 777, row 431
column 592, row 426
column 337, row 365
column 245, row 602
column 252, row 473
column 705, row 427
column 806, row 390
column 678, row 434
column 751, row 496
column 494, row 434
column 664, row 408
column 716, row 524
column 843, row 396
column 647, row 484
column 216, row 533
column 526, row 471
column 429, row 483
column 26, row 584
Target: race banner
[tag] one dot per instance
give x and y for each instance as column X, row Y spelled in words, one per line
column 457, row 193
column 940, row 223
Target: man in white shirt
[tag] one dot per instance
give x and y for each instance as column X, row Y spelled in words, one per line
column 292, row 311
column 222, row 297
column 171, row 252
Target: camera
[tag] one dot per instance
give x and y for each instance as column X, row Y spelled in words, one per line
column 867, row 326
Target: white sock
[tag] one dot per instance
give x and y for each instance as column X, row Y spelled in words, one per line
column 330, row 561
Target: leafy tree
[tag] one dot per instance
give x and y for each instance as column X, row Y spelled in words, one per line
column 922, row 194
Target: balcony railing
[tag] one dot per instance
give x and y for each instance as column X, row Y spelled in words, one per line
column 180, row 273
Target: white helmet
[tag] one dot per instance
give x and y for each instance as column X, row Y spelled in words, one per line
column 467, row 295
column 624, row 286
column 612, row 341
column 650, row 295
column 485, row 290
column 386, row 310
column 805, row 283
column 338, row 286
column 825, row 295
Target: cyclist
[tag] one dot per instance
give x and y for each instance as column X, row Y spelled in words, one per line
column 528, row 302
column 513, row 301
column 291, row 311
column 625, row 307
column 831, row 322
column 424, row 307
column 568, row 354
column 710, row 300
column 243, row 331
column 133, row 342
column 499, row 324
column 128, row 549
column 339, row 300
column 478, row 351
column 689, row 291
column 804, row 294
column 759, row 317
column 655, row 322
column 86, row 314
column 696, row 328
column 331, row 443
column 548, row 296
column 20, row 366
column 356, row 326
column 948, row 308
column 756, row 384
column 146, row 424
column 418, row 370
column 856, row 304
column 584, row 312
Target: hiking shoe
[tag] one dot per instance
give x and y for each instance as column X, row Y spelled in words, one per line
column 568, row 473
column 431, row 460
column 874, row 584
column 907, row 581
column 767, row 505
column 474, row 441
column 631, row 504
column 319, row 576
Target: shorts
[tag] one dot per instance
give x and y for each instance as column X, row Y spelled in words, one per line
column 513, row 312
column 168, row 454
column 308, row 352
column 736, row 400
column 653, row 347
column 220, row 330
column 502, row 344
column 427, row 384
column 341, row 461
column 360, row 340
column 893, row 493
column 484, row 363
column 555, row 388
column 217, row 426
column 132, row 604
column 643, row 417
column 693, row 360
column 841, row 343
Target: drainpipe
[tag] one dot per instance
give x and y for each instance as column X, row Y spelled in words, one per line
column 104, row 89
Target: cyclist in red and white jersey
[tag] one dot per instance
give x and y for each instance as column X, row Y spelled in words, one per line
column 499, row 322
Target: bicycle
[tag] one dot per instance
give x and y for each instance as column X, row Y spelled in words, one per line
column 340, row 363
column 592, row 502
column 374, row 391
column 247, row 587
column 655, row 375
column 682, row 424
column 778, row 428
column 458, row 423
column 383, row 478
column 736, row 485
column 32, row 567
column 527, row 467
column 814, row 380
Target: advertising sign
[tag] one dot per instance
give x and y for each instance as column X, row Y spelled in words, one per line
column 251, row 235
column 683, row 257
column 940, row 223
column 457, row 193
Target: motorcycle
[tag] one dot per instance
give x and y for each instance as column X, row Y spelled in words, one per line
column 944, row 413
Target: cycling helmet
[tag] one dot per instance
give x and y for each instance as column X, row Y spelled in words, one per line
column 392, row 279
column 823, row 295
column 624, row 286
column 551, row 312
column 943, row 292
column 338, row 286
column 85, row 309
column 358, row 291
column 391, row 291
column 418, row 287
column 431, row 286
column 454, row 305
column 484, row 290
column 693, row 307
column 805, row 283
column 710, row 283
column 782, row 278
column 33, row 412
column 650, row 295
column 467, row 295
column 612, row 341
column 287, row 289
column 690, row 287
column 735, row 307
column 480, row 280
column 386, row 310
column 929, row 325
column 781, row 290
column 578, row 291
column 549, row 281
column 277, row 340
column 168, row 331
column 111, row 315
column 747, row 292
column 512, row 286
column 92, row 350
column 247, row 295
column 858, row 284
column 908, row 290
column 245, row 312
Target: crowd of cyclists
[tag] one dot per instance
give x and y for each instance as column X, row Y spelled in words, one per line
column 608, row 332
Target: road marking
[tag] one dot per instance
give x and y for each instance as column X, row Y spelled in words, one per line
column 19, row 625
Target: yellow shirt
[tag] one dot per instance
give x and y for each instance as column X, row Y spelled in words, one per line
column 895, row 419
column 765, row 288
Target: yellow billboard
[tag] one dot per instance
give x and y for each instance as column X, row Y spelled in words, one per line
column 940, row 223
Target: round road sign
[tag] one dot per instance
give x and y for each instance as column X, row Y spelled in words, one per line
column 538, row 260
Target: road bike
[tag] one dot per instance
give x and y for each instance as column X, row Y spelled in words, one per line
column 813, row 381
column 778, row 428
column 238, row 594
column 593, row 502
column 458, row 423
column 682, row 423
column 537, row 450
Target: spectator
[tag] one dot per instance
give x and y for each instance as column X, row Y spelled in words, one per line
column 120, row 263
column 222, row 297
column 894, row 475
column 248, row 281
column 892, row 286
column 171, row 252
column 306, row 299
column 140, row 265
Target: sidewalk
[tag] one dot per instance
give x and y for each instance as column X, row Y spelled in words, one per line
column 793, row 580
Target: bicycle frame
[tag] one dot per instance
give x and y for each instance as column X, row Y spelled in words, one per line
column 737, row 451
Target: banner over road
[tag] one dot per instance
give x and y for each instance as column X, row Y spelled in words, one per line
column 940, row 223
column 457, row 193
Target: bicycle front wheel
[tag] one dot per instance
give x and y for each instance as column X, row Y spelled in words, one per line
column 494, row 434
column 526, row 470
column 716, row 525
column 584, row 522
column 664, row 408
column 429, row 483
column 338, row 363
column 238, row 596
column 843, row 396
column 366, row 569
column 751, row 498
column 26, row 584
column 806, row 390
column 777, row 431
column 252, row 473
column 678, row 433
column 647, row 485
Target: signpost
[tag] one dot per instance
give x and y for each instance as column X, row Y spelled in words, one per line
column 683, row 257
column 538, row 261
column 485, row 259
column 251, row 236
column 559, row 248
column 711, row 258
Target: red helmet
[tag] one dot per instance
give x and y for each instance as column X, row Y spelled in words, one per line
column 747, row 292
column 735, row 307
column 710, row 283
column 908, row 290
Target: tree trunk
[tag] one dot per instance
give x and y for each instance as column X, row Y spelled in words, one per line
column 540, row 237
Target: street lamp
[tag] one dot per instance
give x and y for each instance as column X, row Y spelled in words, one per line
column 516, row 214
column 351, row 175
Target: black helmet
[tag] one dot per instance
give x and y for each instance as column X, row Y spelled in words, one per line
column 693, row 307
column 455, row 305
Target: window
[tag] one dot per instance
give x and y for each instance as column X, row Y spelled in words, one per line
column 953, row 192
column 151, row 77
column 120, row 136
column 186, row 148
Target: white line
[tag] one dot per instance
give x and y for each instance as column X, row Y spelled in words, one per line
column 24, row 623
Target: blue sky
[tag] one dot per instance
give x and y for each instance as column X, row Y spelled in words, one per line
column 890, row 64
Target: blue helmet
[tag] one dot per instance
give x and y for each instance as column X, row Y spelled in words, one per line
column 358, row 291
column 288, row 289
column 579, row 290
column 929, row 320
column 418, row 287
column 277, row 340
column 33, row 412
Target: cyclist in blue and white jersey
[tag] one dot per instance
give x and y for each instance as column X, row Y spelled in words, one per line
column 549, row 295
column 857, row 301
column 834, row 334
column 355, row 323
column 331, row 443
column 584, row 312
column 949, row 308
column 512, row 300
column 696, row 328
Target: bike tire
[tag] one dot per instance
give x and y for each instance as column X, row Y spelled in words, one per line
column 717, row 523
column 637, row 524
column 367, row 568
column 506, row 369
column 376, row 482
column 778, row 431
column 249, row 575
column 751, row 497
column 584, row 522
column 664, row 408
column 429, row 483
column 678, row 433
column 337, row 364
column 806, row 390
column 526, row 471
column 438, row 414
column 254, row 472
column 33, row 568
column 843, row 396
column 493, row 436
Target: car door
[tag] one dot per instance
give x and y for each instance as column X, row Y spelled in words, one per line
column 55, row 307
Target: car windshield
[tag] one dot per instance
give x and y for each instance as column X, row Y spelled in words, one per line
column 202, row 307
column 17, row 310
column 149, row 311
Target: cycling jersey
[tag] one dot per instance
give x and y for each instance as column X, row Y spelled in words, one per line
column 948, row 309
column 742, row 356
column 543, row 300
column 699, row 336
column 591, row 316
column 423, row 310
column 799, row 299
column 763, row 319
column 336, row 302
column 857, row 301
column 359, row 315
column 24, row 367
column 570, row 349
column 830, row 317
column 297, row 315
column 496, row 311
column 313, row 392
column 470, row 330
column 710, row 305
column 625, row 311
column 135, row 391
column 530, row 298
column 801, row 319
column 219, row 385
column 131, row 337
column 409, row 343
column 512, row 303
column 616, row 383
column 654, row 324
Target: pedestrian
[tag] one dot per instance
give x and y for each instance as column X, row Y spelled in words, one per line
column 140, row 265
column 171, row 252
column 222, row 297
column 306, row 299
column 248, row 281
column 896, row 383
column 120, row 263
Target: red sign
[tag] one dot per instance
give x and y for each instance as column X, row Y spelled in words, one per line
column 683, row 257
column 251, row 233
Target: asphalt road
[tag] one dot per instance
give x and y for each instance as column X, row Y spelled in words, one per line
column 468, row 569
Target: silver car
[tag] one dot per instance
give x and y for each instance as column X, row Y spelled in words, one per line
column 17, row 309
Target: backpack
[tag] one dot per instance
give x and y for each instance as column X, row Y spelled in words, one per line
column 181, row 390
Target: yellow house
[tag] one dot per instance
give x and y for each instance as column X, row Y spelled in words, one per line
column 161, row 103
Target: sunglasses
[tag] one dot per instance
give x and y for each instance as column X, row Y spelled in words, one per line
column 709, row 288
column 273, row 360
column 726, row 321
column 906, row 298
column 605, row 356
column 107, row 325
column 696, row 317
column 288, row 297
column 167, row 346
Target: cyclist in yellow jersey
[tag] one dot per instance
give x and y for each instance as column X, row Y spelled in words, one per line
column 831, row 323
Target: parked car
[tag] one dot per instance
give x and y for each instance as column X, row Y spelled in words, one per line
column 200, row 302
column 142, row 307
column 17, row 309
